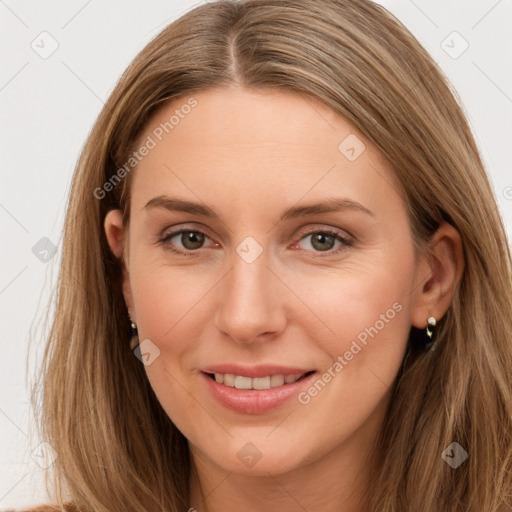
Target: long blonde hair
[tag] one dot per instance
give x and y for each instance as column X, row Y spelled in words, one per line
column 117, row 448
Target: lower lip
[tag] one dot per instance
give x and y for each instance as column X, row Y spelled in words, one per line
column 254, row 401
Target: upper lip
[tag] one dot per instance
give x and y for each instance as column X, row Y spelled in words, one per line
column 261, row 370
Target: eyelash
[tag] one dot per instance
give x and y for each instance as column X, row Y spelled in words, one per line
column 346, row 243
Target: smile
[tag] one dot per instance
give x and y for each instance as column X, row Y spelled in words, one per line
column 268, row 382
column 255, row 395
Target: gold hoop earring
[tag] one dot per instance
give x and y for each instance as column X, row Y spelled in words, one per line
column 430, row 332
column 134, row 340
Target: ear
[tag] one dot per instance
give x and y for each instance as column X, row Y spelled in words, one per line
column 437, row 276
column 117, row 238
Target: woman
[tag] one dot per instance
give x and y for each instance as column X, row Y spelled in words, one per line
column 285, row 281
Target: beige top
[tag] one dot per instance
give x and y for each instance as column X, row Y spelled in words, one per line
column 44, row 508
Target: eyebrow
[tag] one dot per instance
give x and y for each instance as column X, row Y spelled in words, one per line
column 332, row 204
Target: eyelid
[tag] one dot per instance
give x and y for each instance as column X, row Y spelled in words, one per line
column 315, row 228
column 174, row 230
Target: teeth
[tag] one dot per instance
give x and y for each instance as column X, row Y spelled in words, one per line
column 241, row 382
column 261, row 383
column 229, row 380
column 276, row 380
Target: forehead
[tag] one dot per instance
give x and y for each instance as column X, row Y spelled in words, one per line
column 258, row 144
column 267, row 116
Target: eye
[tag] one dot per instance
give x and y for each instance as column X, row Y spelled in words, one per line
column 190, row 240
column 325, row 240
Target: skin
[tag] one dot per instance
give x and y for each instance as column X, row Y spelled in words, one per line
column 249, row 155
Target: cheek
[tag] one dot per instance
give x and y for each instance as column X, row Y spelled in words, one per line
column 171, row 305
column 367, row 314
column 364, row 300
column 362, row 325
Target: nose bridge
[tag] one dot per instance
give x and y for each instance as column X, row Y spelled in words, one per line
column 250, row 270
column 248, row 305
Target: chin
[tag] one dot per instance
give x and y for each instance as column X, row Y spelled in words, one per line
column 250, row 460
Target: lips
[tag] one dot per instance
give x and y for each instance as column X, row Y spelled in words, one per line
column 257, row 398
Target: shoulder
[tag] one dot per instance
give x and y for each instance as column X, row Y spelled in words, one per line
column 44, row 508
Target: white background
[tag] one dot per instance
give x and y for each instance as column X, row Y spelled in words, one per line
column 49, row 105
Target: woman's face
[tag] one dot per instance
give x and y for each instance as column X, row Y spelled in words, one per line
column 232, row 270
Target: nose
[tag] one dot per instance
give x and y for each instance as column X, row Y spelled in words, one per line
column 250, row 307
